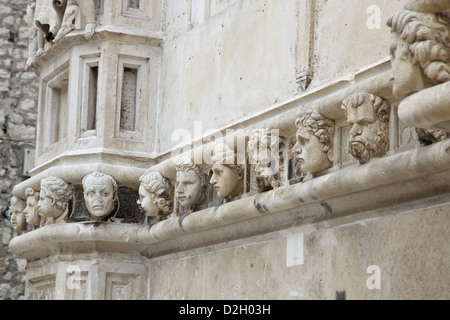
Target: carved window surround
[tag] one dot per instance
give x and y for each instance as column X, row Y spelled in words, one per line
column 43, row 288
column 54, row 101
column 132, row 75
column 88, row 103
column 137, row 8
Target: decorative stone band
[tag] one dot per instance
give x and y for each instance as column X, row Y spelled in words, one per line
column 377, row 185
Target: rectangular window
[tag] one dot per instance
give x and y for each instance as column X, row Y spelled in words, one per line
column 91, row 114
column 137, row 8
column 55, row 122
column 132, row 97
column 128, row 99
column 90, row 71
column 134, row 4
column 98, row 6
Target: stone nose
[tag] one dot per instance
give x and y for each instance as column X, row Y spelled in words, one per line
column 297, row 148
column 97, row 198
column 356, row 130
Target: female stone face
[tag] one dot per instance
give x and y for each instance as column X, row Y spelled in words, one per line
column 189, row 189
column 18, row 220
column 99, row 197
column 309, row 152
column 148, row 202
column 31, row 211
column 226, row 182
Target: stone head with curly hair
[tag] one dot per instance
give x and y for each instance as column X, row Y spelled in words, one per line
column 54, row 197
column 155, row 195
column 314, row 147
column 264, row 153
column 420, row 50
column 191, row 184
column 369, row 116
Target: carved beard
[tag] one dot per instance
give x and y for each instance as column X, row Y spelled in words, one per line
column 267, row 183
column 360, row 150
column 263, row 184
column 363, row 149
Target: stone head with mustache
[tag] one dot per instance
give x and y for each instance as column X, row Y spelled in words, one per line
column 369, row 116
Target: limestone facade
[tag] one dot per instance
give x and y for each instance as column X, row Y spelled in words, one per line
column 314, row 151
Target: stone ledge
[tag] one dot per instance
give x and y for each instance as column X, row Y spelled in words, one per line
column 405, row 177
column 427, row 109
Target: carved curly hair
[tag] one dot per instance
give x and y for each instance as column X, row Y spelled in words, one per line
column 156, row 183
column 427, row 36
column 380, row 106
column 186, row 165
column 382, row 109
column 58, row 190
column 224, row 155
column 319, row 126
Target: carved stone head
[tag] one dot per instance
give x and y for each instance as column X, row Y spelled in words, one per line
column 369, row 117
column 54, row 198
column 18, row 220
column 314, row 147
column 191, row 184
column 228, row 176
column 420, row 51
column 155, row 195
column 263, row 152
column 32, row 214
column 100, row 195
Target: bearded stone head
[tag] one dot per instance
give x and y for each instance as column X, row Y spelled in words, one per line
column 369, row 117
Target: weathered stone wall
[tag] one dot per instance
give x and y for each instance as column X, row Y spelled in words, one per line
column 247, row 57
column 387, row 254
column 18, row 110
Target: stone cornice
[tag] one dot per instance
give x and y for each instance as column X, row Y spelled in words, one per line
column 103, row 33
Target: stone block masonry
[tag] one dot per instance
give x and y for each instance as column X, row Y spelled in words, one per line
column 18, row 109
